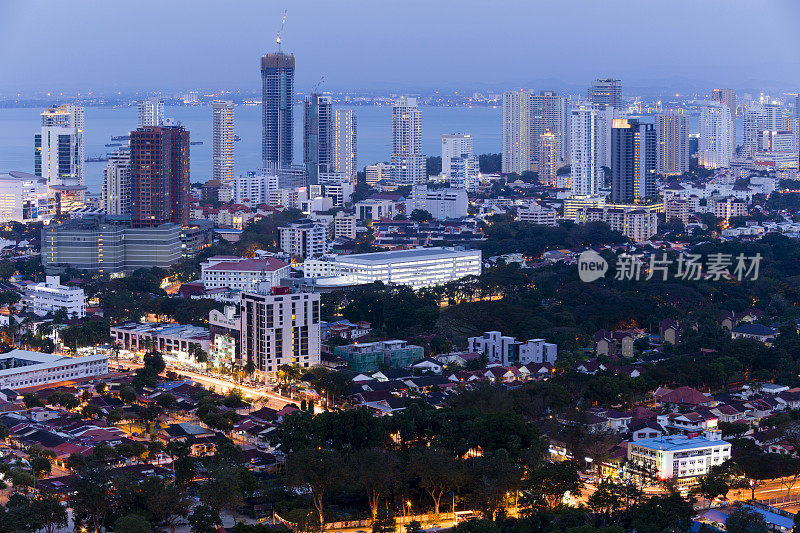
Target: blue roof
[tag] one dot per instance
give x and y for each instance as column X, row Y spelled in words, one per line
column 754, row 329
column 715, row 515
column 677, row 443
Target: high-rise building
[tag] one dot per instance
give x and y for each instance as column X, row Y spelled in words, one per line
column 408, row 163
column 304, row 238
column 516, row 155
column 377, row 172
column 277, row 99
column 150, row 112
column 716, row 131
column 345, row 143
column 318, row 132
column 280, row 329
column 586, row 131
column 548, row 114
column 117, row 183
column 159, row 174
column 773, row 117
column 727, row 97
column 59, row 150
column 753, row 122
column 460, row 165
column 633, row 161
column 605, row 93
column 672, row 143
column 223, row 139
column 797, row 106
column 548, row 158
column 59, row 155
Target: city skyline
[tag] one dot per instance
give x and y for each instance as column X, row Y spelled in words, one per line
column 682, row 52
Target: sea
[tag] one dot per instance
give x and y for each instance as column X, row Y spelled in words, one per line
column 18, row 125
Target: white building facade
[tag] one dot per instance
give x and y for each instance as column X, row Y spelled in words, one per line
column 50, row 296
column 716, row 136
column 441, row 203
column 408, row 163
column 223, row 133
column 243, row 274
column 22, row 368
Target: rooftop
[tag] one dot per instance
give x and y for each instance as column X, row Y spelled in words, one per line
column 406, row 255
column 676, row 443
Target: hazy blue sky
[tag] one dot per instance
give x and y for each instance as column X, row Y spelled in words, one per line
column 103, row 45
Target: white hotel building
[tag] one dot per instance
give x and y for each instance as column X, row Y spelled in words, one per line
column 242, row 274
column 50, row 296
column 22, row 368
column 679, row 457
column 416, row 268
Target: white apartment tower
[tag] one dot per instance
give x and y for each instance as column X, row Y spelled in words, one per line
column 59, row 149
column 150, row 112
column 672, row 143
column 345, row 143
column 587, row 126
column 408, row 163
column 727, row 97
column 548, row 158
column 548, row 114
column 516, row 150
column 117, row 183
column 223, row 139
column 280, row 330
column 460, row 165
column 716, row 135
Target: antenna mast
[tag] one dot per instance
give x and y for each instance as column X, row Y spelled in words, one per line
column 283, row 23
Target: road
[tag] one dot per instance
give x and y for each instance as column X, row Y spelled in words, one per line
column 260, row 394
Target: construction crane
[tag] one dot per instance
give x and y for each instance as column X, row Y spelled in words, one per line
column 283, row 23
column 314, row 89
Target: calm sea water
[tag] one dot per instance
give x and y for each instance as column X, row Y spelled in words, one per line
column 18, row 125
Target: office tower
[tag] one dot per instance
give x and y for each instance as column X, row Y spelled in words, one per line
column 633, row 161
column 59, row 150
column 548, row 158
column 727, row 97
column 716, row 131
column 408, row 163
column 345, row 143
column 548, row 114
column 280, row 330
column 150, row 112
column 797, row 106
column 277, row 98
column 516, row 156
column 223, row 139
column 586, row 173
column 318, row 134
column 159, row 174
column 672, row 143
column 117, row 183
column 605, row 93
column 377, row 172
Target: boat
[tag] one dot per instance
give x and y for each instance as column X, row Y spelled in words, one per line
column 195, row 143
column 237, row 138
column 96, row 159
column 113, row 144
column 120, row 137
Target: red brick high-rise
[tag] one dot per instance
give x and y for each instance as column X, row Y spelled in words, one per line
column 159, row 174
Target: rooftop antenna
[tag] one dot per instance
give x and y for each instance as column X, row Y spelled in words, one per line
column 283, row 23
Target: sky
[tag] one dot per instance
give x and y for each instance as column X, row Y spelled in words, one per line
column 403, row 46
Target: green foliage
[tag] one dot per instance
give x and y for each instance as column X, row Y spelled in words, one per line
column 204, row 520
column 132, row 523
column 744, row 520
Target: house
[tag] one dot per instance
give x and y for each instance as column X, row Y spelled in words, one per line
column 670, row 331
column 592, row 366
column 688, row 423
column 429, row 365
column 614, row 343
column 758, row 332
column 647, row 429
column 458, row 358
column 424, row 384
column 730, row 319
column 682, row 396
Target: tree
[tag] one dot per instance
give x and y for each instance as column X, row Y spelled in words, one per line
column 714, row 484
column 384, row 522
column 436, row 470
column 127, row 394
column 168, row 503
column 375, row 470
column 51, row 513
column 316, row 470
column 132, row 523
column 204, row 520
column 414, row 527
column 420, row 215
column 31, row 400
column 91, row 411
column 552, row 481
column 744, row 520
column 89, row 499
